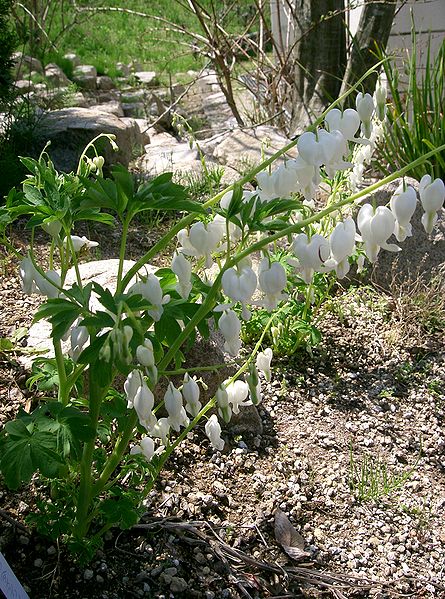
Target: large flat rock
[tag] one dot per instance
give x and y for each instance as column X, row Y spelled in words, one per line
column 243, row 148
column 69, row 130
column 103, row 272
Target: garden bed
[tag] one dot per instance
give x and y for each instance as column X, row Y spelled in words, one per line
column 352, row 450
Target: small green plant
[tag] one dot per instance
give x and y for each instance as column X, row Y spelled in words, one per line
column 372, row 479
column 295, row 324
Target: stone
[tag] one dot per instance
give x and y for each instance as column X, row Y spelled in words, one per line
column 56, row 76
column 80, row 100
column 105, row 83
column 103, row 272
column 133, row 95
column 72, row 58
column 165, row 153
column 85, row 75
column 123, row 69
column 135, row 66
column 87, row 70
column 110, row 108
column 143, row 126
column 134, row 109
column 88, row 82
column 146, row 77
column 242, row 149
column 178, row 585
column 23, row 86
column 24, row 63
column 422, row 256
column 71, row 129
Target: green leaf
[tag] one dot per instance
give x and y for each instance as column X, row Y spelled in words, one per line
column 99, row 320
column 120, row 511
column 60, row 313
column 167, row 329
column 162, row 194
column 105, row 297
column 69, row 425
column 25, row 452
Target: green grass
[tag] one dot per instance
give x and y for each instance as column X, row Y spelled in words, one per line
column 416, row 118
column 372, row 479
column 102, row 39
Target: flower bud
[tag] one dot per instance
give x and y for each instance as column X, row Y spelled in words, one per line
column 365, row 108
column 145, row 355
column 222, row 400
column 432, row 196
column 263, row 361
column 80, row 243
column 230, row 326
column 347, row 122
column 143, row 404
column 190, row 392
column 213, row 432
column 132, row 383
column 183, row 270
column 272, row 282
column 79, row 337
column 403, row 205
column 380, row 99
column 237, row 392
column 173, row 404
column 146, row 447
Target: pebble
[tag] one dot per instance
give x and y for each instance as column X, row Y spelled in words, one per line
column 178, row 585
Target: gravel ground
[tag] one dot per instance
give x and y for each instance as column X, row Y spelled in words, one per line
column 352, row 451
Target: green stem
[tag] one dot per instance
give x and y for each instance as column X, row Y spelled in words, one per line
column 70, row 246
column 116, row 455
column 96, row 395
column 194, row 369
column 64, row 387
column 125, row 225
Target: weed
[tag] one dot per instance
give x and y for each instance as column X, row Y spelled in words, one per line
column 372, row 479
column 419, row 309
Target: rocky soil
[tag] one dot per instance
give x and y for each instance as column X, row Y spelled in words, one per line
column 352, row 450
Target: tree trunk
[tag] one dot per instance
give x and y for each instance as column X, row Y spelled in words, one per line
column 373, row 30
column 318, row 57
